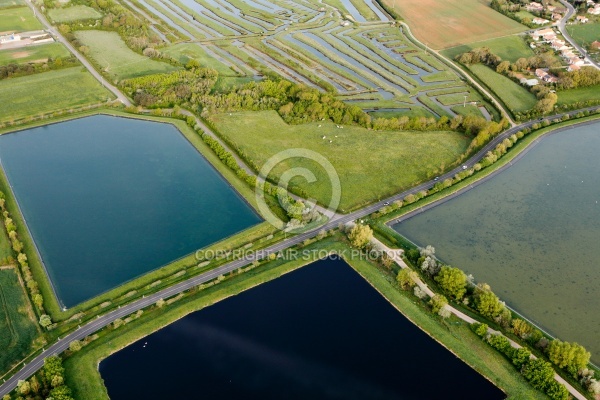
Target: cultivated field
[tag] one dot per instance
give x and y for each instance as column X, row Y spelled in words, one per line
column 515, row 96
column 448, row 23
column 17, row 328
column 509, row 48
column 48, row 92
column 20, row 19
column 74, row 13
column 109, row 51
column 39, row 53
column 371, row 164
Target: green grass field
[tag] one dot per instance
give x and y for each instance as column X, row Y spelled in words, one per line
column 509, row 48
column 371, row 165
column 183, row 52
column 109, row 51
column 17, row 329
column 82, row 367
column 577, row 95
column 49, row 91
column 584, row 34
column 11, row 3
column 20, row 19
column 515, row 96
column 28, row 54
column 74, row 13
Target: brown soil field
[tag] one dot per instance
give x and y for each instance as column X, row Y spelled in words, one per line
column 447, row 23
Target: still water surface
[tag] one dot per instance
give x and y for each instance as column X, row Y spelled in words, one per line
column 321, row 332
column 533, row 233
column 108, row 199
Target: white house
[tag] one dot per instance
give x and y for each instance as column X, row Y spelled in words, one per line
column 582, row 19
column 540, row 21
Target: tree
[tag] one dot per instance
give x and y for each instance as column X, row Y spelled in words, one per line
column 420, row 293
column 520, row 357
column 406, row 278
column 521, row 328
column 569, row 356
column 538, row 372
column 557, row 391
column 75, row 346
column 486, row 302
column 160, row 303
column 52, row 368
column 360, row 235
column 45, row 320
column 479, row 329
column 38, row 300
column 23, row 387
column 503, row 67
column 453, row 281
column 61, row 393
column 438, row 302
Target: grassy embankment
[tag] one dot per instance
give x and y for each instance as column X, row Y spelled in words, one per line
column 18, row 327
column 83, row 375
column 33, row 54
column 118, row 61
column 73, row 13
column 48, row 92
column 18, row 19
column 403, row 158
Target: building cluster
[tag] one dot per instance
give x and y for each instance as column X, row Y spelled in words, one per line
column 568, row 53
column 555, row 12
column 593, row 8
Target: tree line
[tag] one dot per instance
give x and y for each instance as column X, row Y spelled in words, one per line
column 15, row 70
column 48, row 383
column 18, row 248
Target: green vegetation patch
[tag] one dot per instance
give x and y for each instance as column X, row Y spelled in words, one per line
column 184, row 52
column 11, row 3
column 19, row 19
column 578, row 95
column 509, row 48
column 515, row 96
column 111, row 53
column 48, row 92
column 584, row 34
column 18, row 329
column 32, row 54
column 74, row 13
column 371, row 164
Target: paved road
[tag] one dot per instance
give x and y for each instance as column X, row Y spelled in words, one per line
column 97, row 324
column 563, row 29
column 54, row 32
